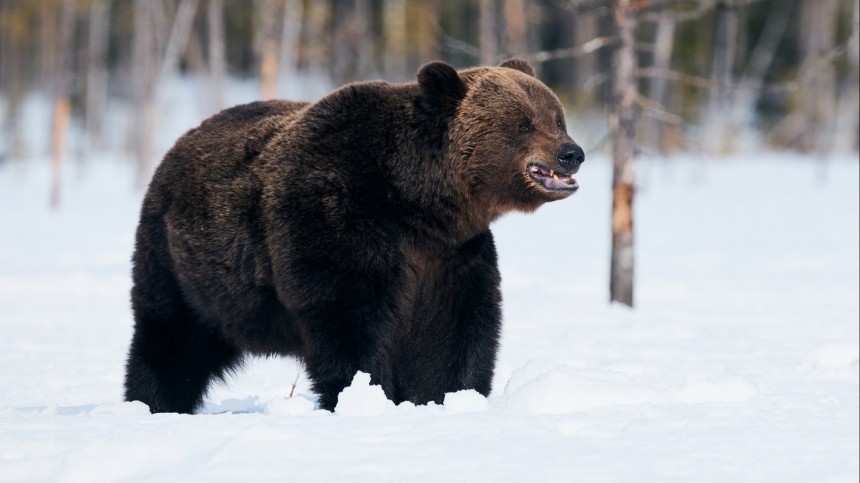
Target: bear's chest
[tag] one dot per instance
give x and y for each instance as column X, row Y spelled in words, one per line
column 427, row 286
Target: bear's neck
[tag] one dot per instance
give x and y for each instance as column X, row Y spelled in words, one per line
column 435, row 206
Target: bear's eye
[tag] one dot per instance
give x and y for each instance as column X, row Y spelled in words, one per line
column 525, row 126
column 560, row 125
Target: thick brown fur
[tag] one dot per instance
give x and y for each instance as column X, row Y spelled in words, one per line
column 352, row 233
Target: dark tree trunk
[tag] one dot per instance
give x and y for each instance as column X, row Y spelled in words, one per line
column 717, row 132
column 758, row 63
column 621, row 126
column 849, row 121
column 658, row 86
column 811, row 133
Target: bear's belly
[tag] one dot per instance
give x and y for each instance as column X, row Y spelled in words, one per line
column 225, row 280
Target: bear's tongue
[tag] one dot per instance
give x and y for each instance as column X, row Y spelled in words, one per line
column 552, row 180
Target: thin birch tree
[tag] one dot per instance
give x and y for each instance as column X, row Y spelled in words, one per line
column 62, row 91
column 291, row 30
column 621, row 126
column 217, row 55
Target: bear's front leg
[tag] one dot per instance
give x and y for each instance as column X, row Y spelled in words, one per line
column 345, row 317
column 346, row 338
column 450, row 338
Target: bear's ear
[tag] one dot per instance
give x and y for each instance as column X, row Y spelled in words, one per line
column 442, row 84
column 520, row 65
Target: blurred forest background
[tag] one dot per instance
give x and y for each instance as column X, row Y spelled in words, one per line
column 636, row 76
column 711, row 74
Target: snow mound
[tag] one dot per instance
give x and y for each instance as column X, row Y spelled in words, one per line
column 250, row 404
column 362, row 399
column 468, row 401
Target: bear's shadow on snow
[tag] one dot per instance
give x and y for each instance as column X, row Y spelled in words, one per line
column 248, row 405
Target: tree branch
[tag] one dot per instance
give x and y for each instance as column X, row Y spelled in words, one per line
column 587, row 6
column 656, row 10
column 658, row 111
column 461, row 46
column 592, row 45
column 701, row 82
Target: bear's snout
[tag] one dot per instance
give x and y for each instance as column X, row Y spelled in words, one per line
column 570, row 156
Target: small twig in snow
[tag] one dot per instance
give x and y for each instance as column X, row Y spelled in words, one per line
column 295, row 384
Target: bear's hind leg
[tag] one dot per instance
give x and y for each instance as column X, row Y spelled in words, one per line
column 173, row 355
column 171, row 363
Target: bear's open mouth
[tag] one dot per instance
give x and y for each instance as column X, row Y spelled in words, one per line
column 551, row 179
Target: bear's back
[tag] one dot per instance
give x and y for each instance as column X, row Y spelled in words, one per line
column 202, row 205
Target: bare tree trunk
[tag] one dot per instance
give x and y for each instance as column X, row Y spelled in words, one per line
column 150, row 69
column 291, row 30
column 11, row 85
column 760, row 60
column 145, row 77
column 362, row 37
column 849, row 97
column 516, row 22
column 62, row 115
column 343, row 44
column 97, row 72
column 48, row 43
column 394, row 26
column 717, row 117
column 179, row 35
column 200, row 71
column 621, row 126
column 657, row 86
column 352, row 49
column 427, row 32
column 268, row 48
column 217, row 56
column 818, row 95
column 854, row 56
column 316, row 41
column 487, row 22
column 62, row 97
column 584, row 67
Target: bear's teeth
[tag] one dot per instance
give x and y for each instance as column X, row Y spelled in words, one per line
column 555, row 177
column 552, row 173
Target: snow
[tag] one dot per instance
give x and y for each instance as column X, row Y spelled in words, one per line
column 741, row 361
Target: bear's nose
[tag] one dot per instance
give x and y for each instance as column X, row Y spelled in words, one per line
column 570, row 156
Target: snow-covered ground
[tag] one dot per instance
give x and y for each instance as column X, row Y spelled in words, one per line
column 740, row 362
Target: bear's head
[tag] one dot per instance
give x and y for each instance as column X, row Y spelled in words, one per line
column 507, row 135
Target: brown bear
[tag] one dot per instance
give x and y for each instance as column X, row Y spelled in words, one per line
column 352, row 233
